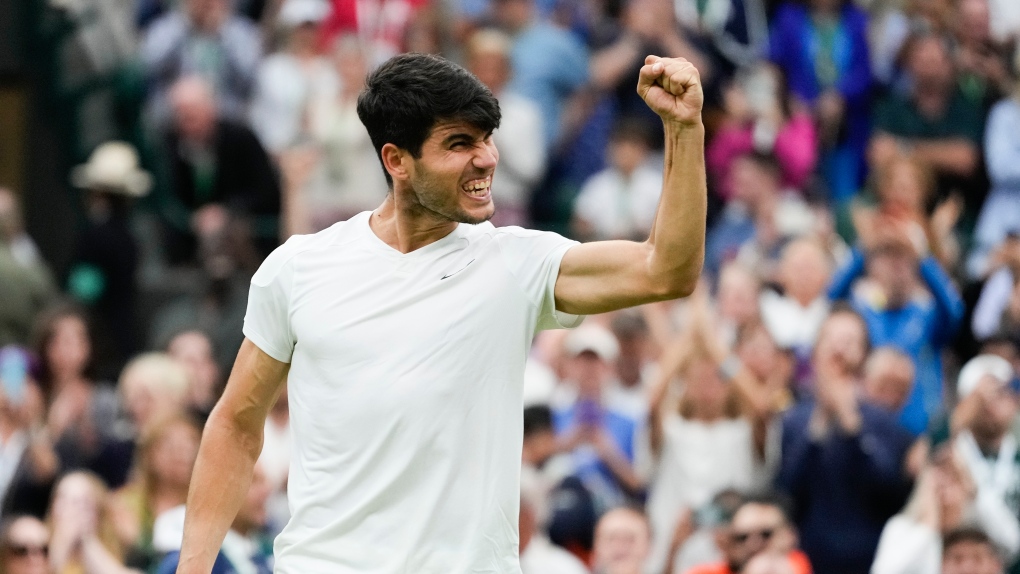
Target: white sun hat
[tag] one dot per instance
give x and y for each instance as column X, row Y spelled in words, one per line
column 113, row 167
column 979, row 367
column 592, row 338
column 293, row 13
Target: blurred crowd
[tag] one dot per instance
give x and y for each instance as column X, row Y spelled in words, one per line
column 840, row 395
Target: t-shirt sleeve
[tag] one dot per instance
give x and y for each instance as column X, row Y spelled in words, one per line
column 533, row 258
column 267, row 320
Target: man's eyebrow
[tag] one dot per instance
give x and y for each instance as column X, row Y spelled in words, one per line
column 456, row 136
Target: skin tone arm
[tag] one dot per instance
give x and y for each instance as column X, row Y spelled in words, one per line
column 608, row 275
column 231, row 444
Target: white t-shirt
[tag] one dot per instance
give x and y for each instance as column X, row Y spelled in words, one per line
column 620, row 207
column 405, row 392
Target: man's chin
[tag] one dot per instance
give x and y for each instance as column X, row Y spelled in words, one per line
column 475, row 217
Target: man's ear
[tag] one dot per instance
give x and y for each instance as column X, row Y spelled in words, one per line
column 395, row 160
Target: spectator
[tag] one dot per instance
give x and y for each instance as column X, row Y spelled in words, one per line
column 982, row 427
column 622, row 542
column 27, row 286
column 888, row 378
column 24, row 546
column 522, row 149
column 620, row 201
column 80, row 411
column 822, row 48
column 1002, row 154
column 602, row 440
column 538, row 555
column 549, row 64
column 328, row 180
column 760, row 527
column 944, row 500
column 537, row 478
column 995, row 310
column 166, row 456
column 689, row 434
column 905, row 187
column 969, row 551
column 895, row 315
column 762, row 116
column 735, row 31
column 84, row 537
column 934, row 120
column 755, row 230
column 982, row 61
column 194, row 350
column 203, row 38
column 635, row 366
column 218, row 173
column 243, row 549
column 794, row 317
column 842, row 459
column 153, row 387
column 289, row 80
column 737, row 301
column 103, row 274
column 27, row 459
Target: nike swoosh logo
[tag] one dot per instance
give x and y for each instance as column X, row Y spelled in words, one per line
column 457, row 271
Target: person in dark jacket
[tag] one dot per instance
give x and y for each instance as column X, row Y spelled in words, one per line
column 219, row 175
column 843, row 460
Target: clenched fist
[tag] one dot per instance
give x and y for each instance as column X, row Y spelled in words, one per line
column 672, row 88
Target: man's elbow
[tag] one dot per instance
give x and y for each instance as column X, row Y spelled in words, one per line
column 679, row 285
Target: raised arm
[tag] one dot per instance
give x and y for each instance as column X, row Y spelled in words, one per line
column 604, row 276
column 231, row 444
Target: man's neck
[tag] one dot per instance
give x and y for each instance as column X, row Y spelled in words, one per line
column 406, row 225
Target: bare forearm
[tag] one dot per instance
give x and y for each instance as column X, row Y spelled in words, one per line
column 957, row 156
column 218, row 487
column 678, row 235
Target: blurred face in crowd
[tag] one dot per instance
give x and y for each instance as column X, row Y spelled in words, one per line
column 738, row 295
column 153, row 387
column 349, row 61
column 626, row 154
column 539, row 447
column 590, row 372
column 902, row 190
column 304, row 38
column 842, row 339
column 930, row 65
column 804, row 271
column 888, row 379
column 174, row 454
column 759, row 353
column 77, row 497
column 252, row 515
column 622, row 542
column 513, row 14
column 194, row 350
column 26, row 547
column 894, row 268
column 705, row 391
column 974, row 21
column 206, row 14
column 194, row 109
column 69, row 349
column 996, row 416
column 752, row 183
column 492, row 67
column 971, row 557
column 755, row 528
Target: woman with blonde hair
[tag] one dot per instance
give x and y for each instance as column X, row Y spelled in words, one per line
column 153, row 387
column 162, row 473
column 84, row 540
column 707, row 434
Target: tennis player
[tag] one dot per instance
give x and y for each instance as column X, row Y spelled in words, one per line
column 403, row 332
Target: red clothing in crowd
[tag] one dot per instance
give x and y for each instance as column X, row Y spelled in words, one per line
column 798, row 560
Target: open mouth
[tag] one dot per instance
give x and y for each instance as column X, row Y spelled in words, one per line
column 478, row 188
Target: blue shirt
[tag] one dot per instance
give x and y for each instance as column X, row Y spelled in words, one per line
column 549, row 65
column 919, row 328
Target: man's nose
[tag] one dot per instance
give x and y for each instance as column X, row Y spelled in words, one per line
column 487, row 156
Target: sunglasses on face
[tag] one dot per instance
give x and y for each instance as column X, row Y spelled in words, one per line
column 743, row 537
column 21, row 551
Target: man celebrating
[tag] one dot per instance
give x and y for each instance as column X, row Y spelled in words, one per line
column 403, row 333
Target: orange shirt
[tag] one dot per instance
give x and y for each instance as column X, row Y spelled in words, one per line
column 799, row 561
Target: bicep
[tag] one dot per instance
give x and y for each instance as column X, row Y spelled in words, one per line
column 604, row 276
column 253, row 387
